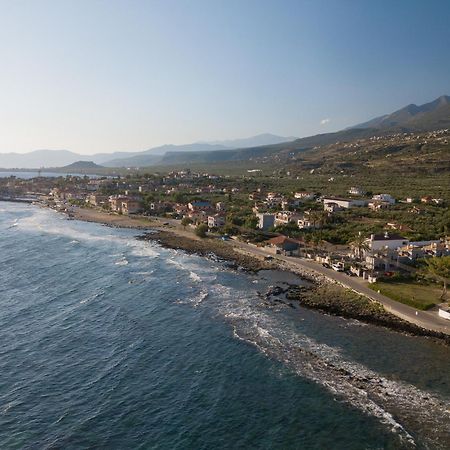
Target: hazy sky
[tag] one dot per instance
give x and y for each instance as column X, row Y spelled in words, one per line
column 94, row 76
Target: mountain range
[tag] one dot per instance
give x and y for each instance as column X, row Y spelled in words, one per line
column 412, row 118
column 59, row 158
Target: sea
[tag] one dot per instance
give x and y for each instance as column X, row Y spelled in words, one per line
column 34, row 174
column 109, row 342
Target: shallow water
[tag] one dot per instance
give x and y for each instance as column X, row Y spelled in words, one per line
column 110, row 342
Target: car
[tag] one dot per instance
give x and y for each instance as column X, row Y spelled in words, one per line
column 326, row 265
column 268, row 258
column 338, row 267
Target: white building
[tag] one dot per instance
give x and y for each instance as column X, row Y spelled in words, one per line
column 355, row 190
column 285, row 217
column 344, row 202
column 384, row 198
column 304, row 222
column 304, row 195
column 382, row 241
column 216, row 221
column 265, row 221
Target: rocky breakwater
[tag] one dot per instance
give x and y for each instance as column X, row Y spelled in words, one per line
column 209, row 247
column 336, row 300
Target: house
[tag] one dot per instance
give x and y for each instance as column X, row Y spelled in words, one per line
column 344, row 203
column 426, row 199
column 284, row 245
column 304, row 222
column 378, row 242
column 285, row 217
column 265, row 221
column 115, row 202
column 355, row 190
column 199, row 206
column 124, row 204
column 380, row 261
column 160, row 207
column 411, row 252
column 198, row 217
column 304, row 195
column 386, row 198
column 97, row 200
column 332, row 207
column 377, row 205
column 180, row 209
column 274, row 199
column 216, row 221
column 131, row 205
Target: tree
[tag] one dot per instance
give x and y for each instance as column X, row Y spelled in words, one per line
column 440, row 269
column 251, row 222
column 201, row 230
column 359, row 245
column 185, row 221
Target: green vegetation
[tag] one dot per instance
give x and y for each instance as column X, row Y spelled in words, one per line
column 440, row 268
column 201, row 230
column 419, row 296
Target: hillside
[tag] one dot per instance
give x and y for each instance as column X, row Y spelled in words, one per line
column 411, row 119
column 427, row 117
column 81, row 165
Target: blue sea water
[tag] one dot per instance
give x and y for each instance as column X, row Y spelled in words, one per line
column 110, row 342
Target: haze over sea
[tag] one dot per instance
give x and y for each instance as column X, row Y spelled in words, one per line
column 110, row 342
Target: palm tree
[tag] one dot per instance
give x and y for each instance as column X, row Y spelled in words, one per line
column 359, row 245
column 440, row 268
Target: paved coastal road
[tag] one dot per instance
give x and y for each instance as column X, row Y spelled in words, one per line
column 425, row 319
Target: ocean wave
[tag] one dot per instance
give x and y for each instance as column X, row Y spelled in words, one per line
column 404, row 409
column 142, row 249
column 92, row 297
column 122, row 262
column 194, row 276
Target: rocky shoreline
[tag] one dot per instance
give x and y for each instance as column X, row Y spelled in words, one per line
column 321, row 295
column 210, row 248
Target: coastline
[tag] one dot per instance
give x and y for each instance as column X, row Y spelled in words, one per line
column 323, row 295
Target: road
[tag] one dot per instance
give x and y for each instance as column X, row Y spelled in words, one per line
column 425, row 319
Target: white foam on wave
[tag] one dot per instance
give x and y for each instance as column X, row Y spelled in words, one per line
column 397, row 404
column 42, row 220
column 95, row 295
column 193, row 276
column 121, row 262
column 142, row 249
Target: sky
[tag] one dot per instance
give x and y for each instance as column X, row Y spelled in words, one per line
column 101, row 76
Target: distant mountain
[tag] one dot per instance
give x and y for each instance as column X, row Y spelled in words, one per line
column 430, row 116
column 159, row 155
column 37, row 158
column 81, row 165
column 254, row 141
column 411, row 118
column 59, row 158
column 153, row 156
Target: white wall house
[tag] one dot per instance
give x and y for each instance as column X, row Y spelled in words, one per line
column 384, row 198
column 216, row 221
column 344, row 202
column 265, row 221
column 285, row 217
column 381, row 241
